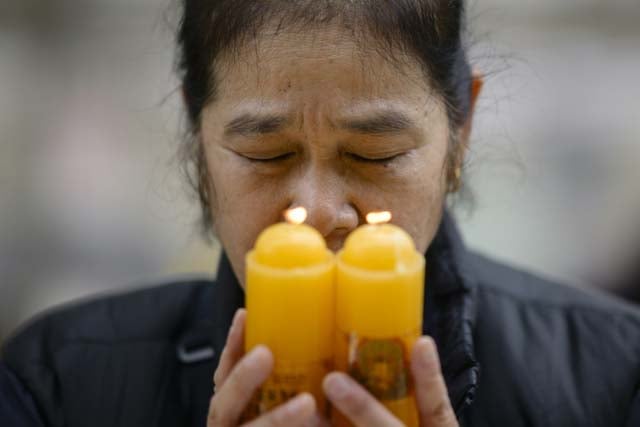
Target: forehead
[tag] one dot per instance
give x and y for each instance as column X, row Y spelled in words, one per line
column 326, row 62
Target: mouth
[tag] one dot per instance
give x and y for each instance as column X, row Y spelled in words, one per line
column 335, row 246
column 335, row 240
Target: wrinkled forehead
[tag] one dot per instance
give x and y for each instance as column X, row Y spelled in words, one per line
column 324, row 60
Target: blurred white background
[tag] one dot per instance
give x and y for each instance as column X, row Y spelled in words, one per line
column 92, row 200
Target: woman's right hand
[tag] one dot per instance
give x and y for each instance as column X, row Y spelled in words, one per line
column 239, row 376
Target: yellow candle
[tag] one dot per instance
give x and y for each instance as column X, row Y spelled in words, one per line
column 379, row 299
column 290, row 309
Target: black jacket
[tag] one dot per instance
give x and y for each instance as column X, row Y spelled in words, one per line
column 516, row 351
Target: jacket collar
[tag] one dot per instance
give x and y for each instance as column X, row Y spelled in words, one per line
column 449, row 310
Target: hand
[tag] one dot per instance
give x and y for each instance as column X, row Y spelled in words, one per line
column 432, row 399
column 237, row 379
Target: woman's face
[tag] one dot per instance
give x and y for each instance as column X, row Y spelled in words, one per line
column 316, row 121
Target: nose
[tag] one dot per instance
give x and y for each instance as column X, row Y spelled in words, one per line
column 325, row 196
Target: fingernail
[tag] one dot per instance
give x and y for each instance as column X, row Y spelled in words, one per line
column 336, row 385
column 254, row 355
column 427, row 355
column 298, row 404
column 234, row 322
column 258, row 352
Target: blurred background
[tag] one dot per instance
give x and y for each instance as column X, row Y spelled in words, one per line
column 91, row 194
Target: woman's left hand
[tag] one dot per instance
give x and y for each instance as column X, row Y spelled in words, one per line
column 432, row 398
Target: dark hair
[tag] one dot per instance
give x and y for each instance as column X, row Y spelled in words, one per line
column 429, row 30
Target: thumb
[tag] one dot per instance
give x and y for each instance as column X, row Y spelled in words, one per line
column 432, row 397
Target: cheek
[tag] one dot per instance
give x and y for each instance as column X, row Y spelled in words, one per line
column 416, row 195
column 241, row 205
column 238, row 189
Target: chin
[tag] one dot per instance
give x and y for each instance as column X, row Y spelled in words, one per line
column 335, row 245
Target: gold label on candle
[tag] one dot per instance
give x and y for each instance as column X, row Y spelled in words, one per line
column 285, row 383
column 381, row 366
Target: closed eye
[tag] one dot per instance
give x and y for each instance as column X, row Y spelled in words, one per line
column 381, row 160
column 267, row 159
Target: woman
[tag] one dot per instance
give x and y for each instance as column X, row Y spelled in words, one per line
column 343, row 107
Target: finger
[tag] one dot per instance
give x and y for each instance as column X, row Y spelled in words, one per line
column 299, row 411
column 233, row 349
column 230, row 400
column 432, row 397
column 356, row 403
column 317, row 421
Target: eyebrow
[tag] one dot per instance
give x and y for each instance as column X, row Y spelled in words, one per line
column 380, row 123
column 249, row 124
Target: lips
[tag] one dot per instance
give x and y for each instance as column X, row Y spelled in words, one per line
column 335, row 240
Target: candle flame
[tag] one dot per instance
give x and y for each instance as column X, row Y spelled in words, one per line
column 378, row 217
column 296, row 215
